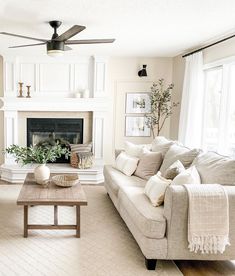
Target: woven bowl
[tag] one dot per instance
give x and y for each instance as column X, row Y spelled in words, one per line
column 65, row 180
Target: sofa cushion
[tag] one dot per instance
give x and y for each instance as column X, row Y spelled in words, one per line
column 161, row 144
column 215, row 168
column 177, row 152
column 126, row 163
column 189, row 176
column 149, row 164
column 149, row 220
column 155, row 189
column 116, row 179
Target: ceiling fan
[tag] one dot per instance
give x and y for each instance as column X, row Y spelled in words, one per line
column 58, row 43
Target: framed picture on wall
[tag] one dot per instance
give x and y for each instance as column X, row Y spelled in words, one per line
column 137, row 103
column 136, row 127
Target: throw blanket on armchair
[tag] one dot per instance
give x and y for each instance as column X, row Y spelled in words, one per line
column 208, row 218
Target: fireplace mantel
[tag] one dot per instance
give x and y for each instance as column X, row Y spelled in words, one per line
column 54, row 85
column 53, row 104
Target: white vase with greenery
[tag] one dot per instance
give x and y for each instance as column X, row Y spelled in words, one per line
column 161, row 106
column 40, row 155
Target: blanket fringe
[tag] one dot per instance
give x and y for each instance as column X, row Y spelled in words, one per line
column 208, row 244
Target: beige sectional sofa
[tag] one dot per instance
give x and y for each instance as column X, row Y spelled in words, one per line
column 161, row 232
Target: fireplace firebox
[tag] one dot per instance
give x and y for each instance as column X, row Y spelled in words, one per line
column 69, row 131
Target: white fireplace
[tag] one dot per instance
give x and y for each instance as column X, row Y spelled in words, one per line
column 54, row 86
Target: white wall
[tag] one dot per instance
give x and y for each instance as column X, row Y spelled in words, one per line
column 123, row 78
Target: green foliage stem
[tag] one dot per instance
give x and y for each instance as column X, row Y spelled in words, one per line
column 37, row 154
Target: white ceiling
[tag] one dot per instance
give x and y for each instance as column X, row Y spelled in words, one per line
column 141, row 27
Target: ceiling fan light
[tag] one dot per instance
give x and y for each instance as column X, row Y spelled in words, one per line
column 55, row 53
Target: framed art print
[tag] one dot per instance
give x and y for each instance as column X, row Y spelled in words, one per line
column 136, row 127
column 137, row 103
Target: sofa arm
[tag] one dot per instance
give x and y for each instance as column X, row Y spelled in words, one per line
column 176, row 214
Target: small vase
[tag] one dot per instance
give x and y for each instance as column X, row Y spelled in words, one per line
column 41, row 173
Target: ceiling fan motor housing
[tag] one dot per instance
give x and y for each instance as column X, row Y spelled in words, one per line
column 55, row 45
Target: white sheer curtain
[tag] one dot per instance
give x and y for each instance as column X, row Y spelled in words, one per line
column 190, row 125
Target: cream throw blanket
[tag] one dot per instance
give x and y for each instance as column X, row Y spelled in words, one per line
column 208, row 218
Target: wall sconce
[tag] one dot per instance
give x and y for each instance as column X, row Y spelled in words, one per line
column 143, row 72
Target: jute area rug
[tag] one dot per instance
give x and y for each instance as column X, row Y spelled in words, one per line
column 106, row 246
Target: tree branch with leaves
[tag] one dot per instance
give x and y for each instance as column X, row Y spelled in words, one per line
column 161, row 106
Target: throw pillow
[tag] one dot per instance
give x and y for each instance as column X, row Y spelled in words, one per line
column 161, row 144
column 126, row 164
column 177, row 152
column 176, row 168
column 189, row 176
column 133, row 150
column 87, row 147
column 155, row 189
column 149, row 164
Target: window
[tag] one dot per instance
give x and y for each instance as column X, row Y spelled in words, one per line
column 219, row 109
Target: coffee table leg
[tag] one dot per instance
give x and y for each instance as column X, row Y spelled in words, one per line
column 25, row 221
column 78, row 221
column 55, row 215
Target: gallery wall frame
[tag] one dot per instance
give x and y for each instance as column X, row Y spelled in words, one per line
column 135, row 126
column 137, row 103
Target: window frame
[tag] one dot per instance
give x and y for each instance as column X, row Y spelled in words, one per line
column 225, row 107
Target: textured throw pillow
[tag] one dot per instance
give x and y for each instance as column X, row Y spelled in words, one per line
column 126, row 164
column 155, row 189
column 215, row 168
column 177, row 152
column 161, row 144
column 176, row 168
column 87, row 147
column 149, row 164
column 133, row 149
column 189, row 176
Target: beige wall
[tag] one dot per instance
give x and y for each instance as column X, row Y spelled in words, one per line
column 178, row 78
column 1, row 113
column 123, row 78
column 219, row 51
column 22, row 116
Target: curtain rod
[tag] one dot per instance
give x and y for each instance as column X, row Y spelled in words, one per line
column 210, row 45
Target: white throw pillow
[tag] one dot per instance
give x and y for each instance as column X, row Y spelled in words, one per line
column 133, row 149
column 161, row 144
column 155, row 189
column 189, row 176
column 126, row 164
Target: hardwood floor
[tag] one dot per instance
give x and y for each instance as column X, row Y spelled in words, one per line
column 198, row 268
column 206, row 268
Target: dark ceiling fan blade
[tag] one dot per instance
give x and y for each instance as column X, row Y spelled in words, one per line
column 89, row 41
column 67, row 48
column 23, row 36
column 28, row 45
column 70, row 33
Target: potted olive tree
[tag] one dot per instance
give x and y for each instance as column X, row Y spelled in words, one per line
column 40, row 155
column 161, row 106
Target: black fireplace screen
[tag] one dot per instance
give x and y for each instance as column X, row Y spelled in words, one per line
column 40, row 129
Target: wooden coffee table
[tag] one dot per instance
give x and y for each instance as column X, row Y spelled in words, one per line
column 32, row 194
